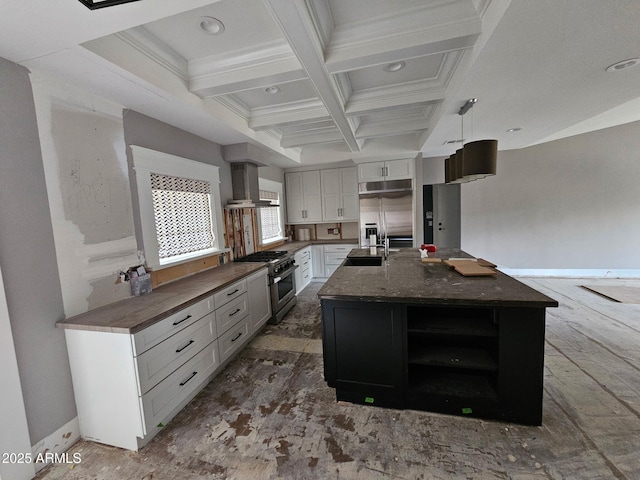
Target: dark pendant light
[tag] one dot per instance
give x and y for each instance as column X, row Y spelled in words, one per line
column 474, row 160
column 480, row 159
column 458, row 166
column 94, row 4
column 448, row 169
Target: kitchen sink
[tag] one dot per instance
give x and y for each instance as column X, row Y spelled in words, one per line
column 363, row 262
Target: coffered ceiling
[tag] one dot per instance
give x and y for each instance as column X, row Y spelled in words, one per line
column 320, row 81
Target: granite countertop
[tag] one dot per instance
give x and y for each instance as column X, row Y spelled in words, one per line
column 136, row 313
column 405, row 279
column 296, row 245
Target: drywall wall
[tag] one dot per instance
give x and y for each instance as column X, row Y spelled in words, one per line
column 87, row 179
column 28, row 261
column 567, row 204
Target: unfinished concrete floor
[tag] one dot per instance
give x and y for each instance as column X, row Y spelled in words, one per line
column 270, row 415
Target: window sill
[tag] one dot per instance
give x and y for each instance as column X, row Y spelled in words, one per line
column 187, row 258
column 272, row 241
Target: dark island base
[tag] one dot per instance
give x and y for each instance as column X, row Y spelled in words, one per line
column 476, row 361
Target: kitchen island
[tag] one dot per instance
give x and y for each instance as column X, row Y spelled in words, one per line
column 409, row 334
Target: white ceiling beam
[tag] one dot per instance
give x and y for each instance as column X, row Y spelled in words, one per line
column 289, row 114
column 233, row 72
column 315, row 137
column 307, row 126
column 425, row 30
column 298, row 27
column 395, row 126
column 366, row 101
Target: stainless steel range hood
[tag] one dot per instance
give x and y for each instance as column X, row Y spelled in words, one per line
column 244, row 182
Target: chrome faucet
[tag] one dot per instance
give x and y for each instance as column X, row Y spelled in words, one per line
column 385, row 246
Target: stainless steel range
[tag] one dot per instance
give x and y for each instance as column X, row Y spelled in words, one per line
column 282, row 281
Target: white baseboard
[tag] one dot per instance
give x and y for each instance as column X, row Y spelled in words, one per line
column 52, row 448
column 572, row 272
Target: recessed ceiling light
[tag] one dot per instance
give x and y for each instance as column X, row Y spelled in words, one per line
column 630, row 62
column 394, row 67
column 271, row 90
column 211, row 25
column 514, row 129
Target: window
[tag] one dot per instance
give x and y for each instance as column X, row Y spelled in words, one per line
column 270, row 219
column 180, row 212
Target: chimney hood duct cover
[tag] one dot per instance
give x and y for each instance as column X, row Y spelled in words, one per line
column 244, row 183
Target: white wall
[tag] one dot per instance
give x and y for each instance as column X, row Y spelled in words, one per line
column 28, row 261
column 14, row 433
column 571, row 204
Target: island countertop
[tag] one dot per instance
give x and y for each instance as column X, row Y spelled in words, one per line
column 405, row 278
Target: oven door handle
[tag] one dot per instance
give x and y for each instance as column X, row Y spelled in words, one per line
column 285, row 274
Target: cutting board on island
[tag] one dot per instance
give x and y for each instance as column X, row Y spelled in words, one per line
column 471, row 267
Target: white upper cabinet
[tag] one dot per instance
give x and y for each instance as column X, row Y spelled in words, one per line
column 303, row 197
column 339, row 194
column 389, row 170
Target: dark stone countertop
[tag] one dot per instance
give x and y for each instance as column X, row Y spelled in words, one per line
column 406, row 279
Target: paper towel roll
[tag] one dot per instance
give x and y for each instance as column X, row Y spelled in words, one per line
column 304, row 234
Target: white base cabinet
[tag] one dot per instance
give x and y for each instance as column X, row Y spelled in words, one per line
column 327, row 258
column 334, row 255
column 259, row 300
column 317, row 260
column 128, row 386
column 304, row 272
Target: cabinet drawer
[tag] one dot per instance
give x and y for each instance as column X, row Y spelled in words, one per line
column 233, row 339
column 231, row 313
column 334, row 258
column 165, row 398
column 304, row 262
column 163, row 329
column 160, row 361
column 306, row 275
column 305, row 254
column 346, row 248
column 232, row 292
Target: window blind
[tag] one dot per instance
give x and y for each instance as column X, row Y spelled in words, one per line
column 270, row 216
column 182, row 211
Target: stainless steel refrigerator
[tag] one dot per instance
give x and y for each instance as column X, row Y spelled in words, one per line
column 387, row 207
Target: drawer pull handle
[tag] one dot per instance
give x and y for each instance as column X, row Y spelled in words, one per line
column 181, row 349
column 231, row 293
column 236, row 311
column 183, row 320
column 182, row 384
column 236, row 337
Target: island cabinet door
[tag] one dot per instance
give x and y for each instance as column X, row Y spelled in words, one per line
column 521, row 353
column 363, row 346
